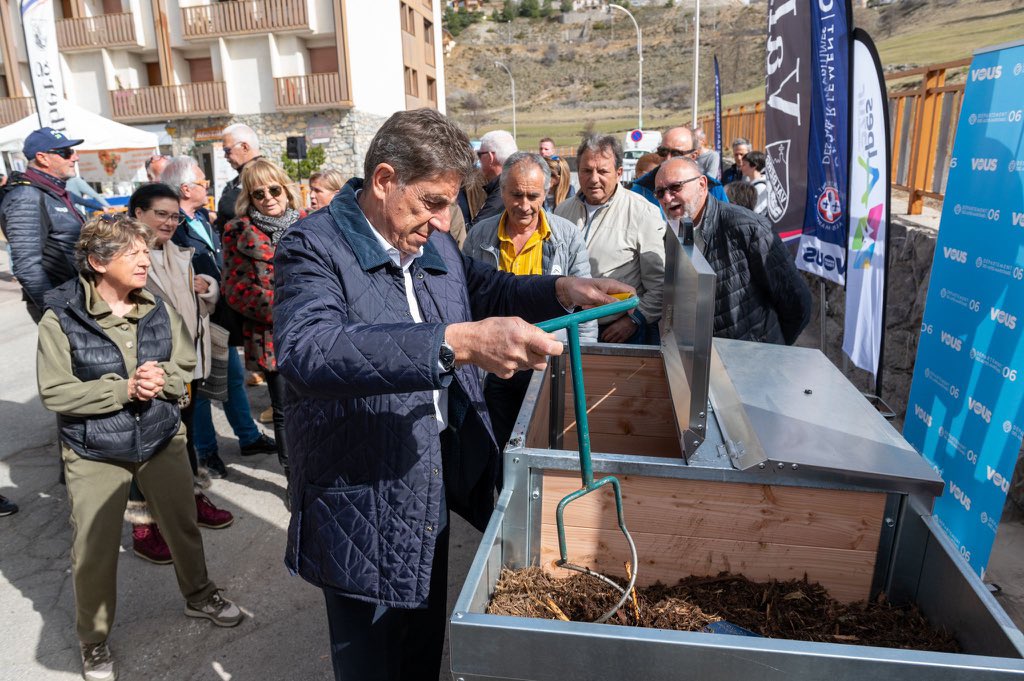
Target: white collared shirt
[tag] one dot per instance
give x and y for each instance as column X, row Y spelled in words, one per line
column 405, row 262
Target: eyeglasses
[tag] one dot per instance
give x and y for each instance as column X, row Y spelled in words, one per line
column 481, row 153
column 205, row 184
column 63, row 152
column 166, row 217
column 261, row 194
column 673, row 153
column 673, row 188
column 227, row 150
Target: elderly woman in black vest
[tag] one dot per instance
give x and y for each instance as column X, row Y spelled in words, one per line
column 113, row 361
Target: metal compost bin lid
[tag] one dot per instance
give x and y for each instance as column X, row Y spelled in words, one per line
column 789, row 412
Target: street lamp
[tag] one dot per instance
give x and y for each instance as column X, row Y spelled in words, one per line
column 696, row 58
column 640, row 55
column 500, row 65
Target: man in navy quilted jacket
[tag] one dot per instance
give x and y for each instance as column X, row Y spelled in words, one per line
column 383, row 332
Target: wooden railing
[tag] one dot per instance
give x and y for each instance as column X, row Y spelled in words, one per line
column 13, row 109
column 104, row 30
column 922, row 121
column 315, row 91
column 243, row 16
column 165, row 101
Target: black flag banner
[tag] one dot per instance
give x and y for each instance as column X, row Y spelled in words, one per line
column 787, row 114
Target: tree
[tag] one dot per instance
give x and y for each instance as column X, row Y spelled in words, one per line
column 508, row 12
column 473, row 105
column 298, row 170
column 529, row 9
column 565, row 6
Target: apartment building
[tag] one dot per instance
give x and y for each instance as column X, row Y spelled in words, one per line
column 331, row 70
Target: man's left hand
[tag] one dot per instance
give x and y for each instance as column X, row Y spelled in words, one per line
column 585, row 292
column 619, row 331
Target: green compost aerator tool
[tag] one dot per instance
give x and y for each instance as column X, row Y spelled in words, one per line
column 571, row 324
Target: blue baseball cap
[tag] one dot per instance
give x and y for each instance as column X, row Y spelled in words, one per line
column 46, row 139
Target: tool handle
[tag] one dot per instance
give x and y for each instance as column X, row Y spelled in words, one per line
column 593, row 313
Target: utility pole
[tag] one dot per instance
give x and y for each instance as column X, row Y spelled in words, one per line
column 502, row 66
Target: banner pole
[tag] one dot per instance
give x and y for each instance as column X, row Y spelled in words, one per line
column 821, row 311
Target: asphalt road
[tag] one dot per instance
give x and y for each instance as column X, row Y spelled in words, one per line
column 285, row 633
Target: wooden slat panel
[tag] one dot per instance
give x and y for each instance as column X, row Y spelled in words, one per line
column 243, row 16
column 725, row 510
column 666, row 558
column 537, row 435
column 626, row 444
column 617, row 415
column 622, row 376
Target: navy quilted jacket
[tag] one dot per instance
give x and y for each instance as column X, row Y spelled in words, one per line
column 370, row 481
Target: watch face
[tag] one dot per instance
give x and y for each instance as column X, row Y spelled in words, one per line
column 447, row 357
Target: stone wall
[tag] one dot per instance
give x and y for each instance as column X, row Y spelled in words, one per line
column 352, row 132
column 911, row 248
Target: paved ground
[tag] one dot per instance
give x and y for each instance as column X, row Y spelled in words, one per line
column 284, row 636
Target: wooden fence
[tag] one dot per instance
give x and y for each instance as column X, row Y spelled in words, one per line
column 923, row 113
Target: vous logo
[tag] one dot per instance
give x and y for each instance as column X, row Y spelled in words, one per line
column 960, row 495
column 987, row 73
column 954, row 254
column 989, row 164
column 980, row 409
column 1018, row 219
column 1004, row 318
column 923, row 415
column 952, row 341
column 998, row 480
column 823, row 260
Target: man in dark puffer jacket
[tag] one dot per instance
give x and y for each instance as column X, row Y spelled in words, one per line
column 759, row 295
column 39, row 217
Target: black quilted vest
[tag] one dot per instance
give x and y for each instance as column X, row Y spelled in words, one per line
column 140, row 429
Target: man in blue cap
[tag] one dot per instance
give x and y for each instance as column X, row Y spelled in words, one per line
column 39, row 218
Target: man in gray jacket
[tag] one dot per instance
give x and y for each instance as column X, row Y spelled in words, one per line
column 525, row 239
column 39, row 217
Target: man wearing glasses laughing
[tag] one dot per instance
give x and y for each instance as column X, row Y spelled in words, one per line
column 759, row 295
column 39, row 217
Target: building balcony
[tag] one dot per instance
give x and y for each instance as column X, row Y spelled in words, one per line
column 161, row 102
column 92, row 33
column 242, row 17
column 315, row 91
column 13, row 109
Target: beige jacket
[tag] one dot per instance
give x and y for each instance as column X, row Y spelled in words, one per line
column 171, row 278
column 626, row 241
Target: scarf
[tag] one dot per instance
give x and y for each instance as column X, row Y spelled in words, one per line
column 273, row 227
column 55, row 186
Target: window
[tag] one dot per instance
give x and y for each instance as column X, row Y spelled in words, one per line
column 408, row 18
column 323, row 59
column 412, row 82
column 153, row 73
column 200, row 70
column 432, row 90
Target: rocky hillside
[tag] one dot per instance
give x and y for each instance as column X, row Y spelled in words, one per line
column 574, row 75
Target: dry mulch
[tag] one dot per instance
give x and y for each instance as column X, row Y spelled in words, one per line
column 796, row 610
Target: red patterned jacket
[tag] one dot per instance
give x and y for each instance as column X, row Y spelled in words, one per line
column 248, row 289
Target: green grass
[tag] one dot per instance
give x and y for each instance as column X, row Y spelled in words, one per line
column 956, row 38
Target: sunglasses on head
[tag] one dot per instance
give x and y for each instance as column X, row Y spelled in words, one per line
column 63, row 152
column 673, row 188
column 673, row 153
column 261, row 194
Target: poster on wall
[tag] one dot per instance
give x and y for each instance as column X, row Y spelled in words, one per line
column 114, row 165
column 966, row 409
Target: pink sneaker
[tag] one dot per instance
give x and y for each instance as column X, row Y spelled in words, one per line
column 149, row 544
column 211, row 517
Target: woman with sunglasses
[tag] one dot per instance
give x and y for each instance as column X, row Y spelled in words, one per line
column 193, row 296
column 267, row 206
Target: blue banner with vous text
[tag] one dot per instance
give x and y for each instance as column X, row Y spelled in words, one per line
column 966, row 408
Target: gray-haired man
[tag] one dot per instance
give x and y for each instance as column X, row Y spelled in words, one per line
column 382, row 328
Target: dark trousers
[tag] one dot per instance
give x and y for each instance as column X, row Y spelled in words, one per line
column 377, row 643
column 504, row 397
column 278, row 388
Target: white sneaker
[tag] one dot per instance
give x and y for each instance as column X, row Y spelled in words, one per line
column 217, row 609
column 97, row 662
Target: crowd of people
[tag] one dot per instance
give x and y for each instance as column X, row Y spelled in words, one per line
column 391, row 322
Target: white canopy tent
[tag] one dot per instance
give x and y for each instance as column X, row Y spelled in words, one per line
column 111, row 152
